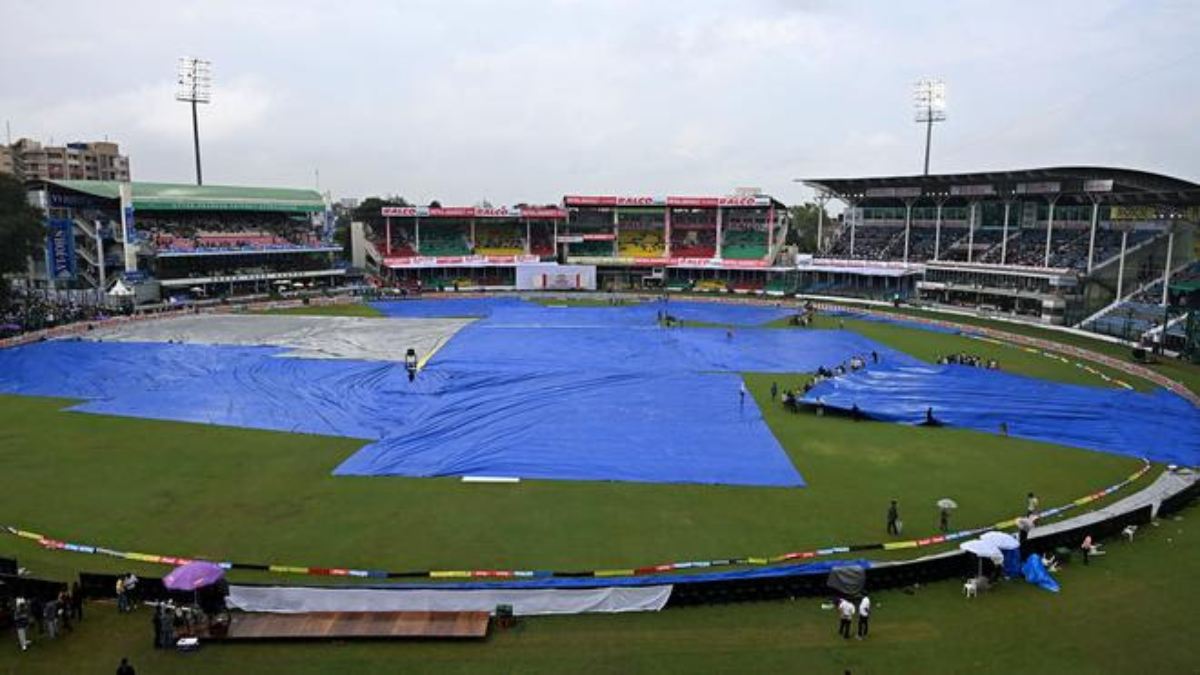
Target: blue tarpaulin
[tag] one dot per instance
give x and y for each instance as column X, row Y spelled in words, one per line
column 1036, row 574
column 1159, row 425
column 529, row 391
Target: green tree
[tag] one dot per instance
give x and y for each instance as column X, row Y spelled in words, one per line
column 803, row 232
column 21, row 230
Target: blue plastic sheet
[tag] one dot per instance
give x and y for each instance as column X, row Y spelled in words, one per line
column 1036, row 574
column 1160, row 425
column 514, row 311
column 1012, row 562
column 531, row 391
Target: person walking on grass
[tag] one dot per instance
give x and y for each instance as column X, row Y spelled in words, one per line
column 774, row 391
column 77, row 602
column 121, row 599
column 21, row 620
column 50, row 618
column 864, row 617
column 893, row 519
column 125, row 668
column 845, row 610
column 1031, row 504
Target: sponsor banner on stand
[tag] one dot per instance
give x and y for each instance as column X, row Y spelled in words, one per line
column 707, row 263
column 461, row 261
column 532, row 213
column 60, row 248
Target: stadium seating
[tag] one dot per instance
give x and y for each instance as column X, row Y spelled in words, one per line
column 226, row 232
column 711, row 286
column 693, row 243
column 592, row 249
column 640, row 244
column 500, row 239
column 443, row 241
column 871, row 242
column 1128, row 320
column 744, row 244
column 542, row 242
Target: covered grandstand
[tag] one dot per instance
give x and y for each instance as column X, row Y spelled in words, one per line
column 732, row 243
column 173, row 240
column 1058, row 243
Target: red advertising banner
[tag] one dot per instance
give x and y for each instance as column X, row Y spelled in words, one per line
column 578, row 200
column 539, row 213
column 544, row 213
column 460, row 261
column 682, row 202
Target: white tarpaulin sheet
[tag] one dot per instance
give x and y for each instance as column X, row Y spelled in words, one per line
column 524, row 601
column 311, row 337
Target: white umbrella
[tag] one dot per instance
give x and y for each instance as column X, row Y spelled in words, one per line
column 983, row 549
column 1001, row 540
column 947, row 503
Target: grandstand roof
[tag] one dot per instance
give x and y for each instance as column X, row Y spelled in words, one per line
column 184, row 197
column 1070, row 183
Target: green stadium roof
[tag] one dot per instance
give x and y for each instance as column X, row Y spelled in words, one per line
column 183, row 197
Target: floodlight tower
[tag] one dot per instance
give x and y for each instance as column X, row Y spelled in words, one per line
column 929, row 100
column 195, row 86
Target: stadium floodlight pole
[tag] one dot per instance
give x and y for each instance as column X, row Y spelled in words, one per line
column 822, row 199
column 929, row 100
column 195, row 86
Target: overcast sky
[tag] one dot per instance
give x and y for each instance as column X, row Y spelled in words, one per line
column 514, row 100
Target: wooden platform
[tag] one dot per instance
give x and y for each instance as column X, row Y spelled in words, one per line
column 356, row 625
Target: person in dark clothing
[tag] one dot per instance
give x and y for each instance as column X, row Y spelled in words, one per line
column 893, row 518
column 774, row 391
column 930, row 420
column 36, row 610
column 64, row 609
column 125, row 668
column 944, row 520
column 156, row 622
column 874, row 356
column 77, row 601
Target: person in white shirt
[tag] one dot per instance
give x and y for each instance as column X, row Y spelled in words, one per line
column 864, row 616
column 846, row 617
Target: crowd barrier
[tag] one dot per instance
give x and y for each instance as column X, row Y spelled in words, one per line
column 642, row 571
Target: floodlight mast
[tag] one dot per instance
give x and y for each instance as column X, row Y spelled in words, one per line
column 929, row 101
column 195, row 86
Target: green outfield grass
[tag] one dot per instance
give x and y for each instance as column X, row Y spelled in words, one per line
column 1130, row 612
column 1183, row 372
column 255, row 496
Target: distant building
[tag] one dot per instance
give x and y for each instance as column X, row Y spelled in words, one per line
column 30, row 160
column 7, row 165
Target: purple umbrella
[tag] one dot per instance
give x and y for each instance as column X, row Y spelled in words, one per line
column 193, row 575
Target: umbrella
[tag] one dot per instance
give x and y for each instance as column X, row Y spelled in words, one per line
column 193, row 575
column 983, row 549
column 947, row 503
column 1001, row 540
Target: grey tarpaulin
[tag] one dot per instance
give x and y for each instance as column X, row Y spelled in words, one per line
column 848, row 580
column 525, row 602
column 310, row 337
